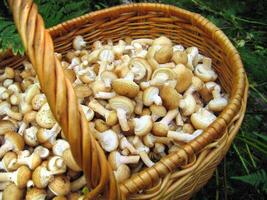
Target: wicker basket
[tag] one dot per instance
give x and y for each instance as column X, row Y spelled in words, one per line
column 176, row 176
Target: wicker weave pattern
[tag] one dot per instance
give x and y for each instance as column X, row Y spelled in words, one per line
column 200, row 157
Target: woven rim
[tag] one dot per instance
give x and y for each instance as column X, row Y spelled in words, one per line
column 171, row 162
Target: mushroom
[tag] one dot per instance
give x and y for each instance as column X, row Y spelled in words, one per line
column 56, row 164
column 99, row 86
column 107, row 77
column 116, row 159
column 157, row 112
column 41, row 151
column 60, row 185
column 105, row 95
column 170, row 97
column 86, row 75
column 35, row 194
column 108, row 139
column 6, row 126
column 12, row 192
column 180, row 57
column 164, row 54
column 122, row 173
column 188, row 105
column 140, row 68
column 126, row 86
column 38, row 101
column 139, row 103
column 8, row 73
column 82, row 91
column 179, row 120
column 5, row 109
column 192, row 54
column 204, row 71
column 88, row 112
column 202, row 118
column 31, row 161
column 142, row 151
column 44, row 117
column 161, row 128
column 159, row 149
column 162, row 41
column 78, row 184
column 121, row 69
column 6, row 162
column 48, row 135
column 20, row 177
column 41, row 176
column 30, row 136
column 142, row 125
column 110, row 116
column 4, row 93
column 60, row 146
column 123, row 106
column 100, row 125
column 26, row 98
column 182, row 136
column 13, row 141
column 183, row 76
column 78, row 43
column 14, row 88
column 142, row 41
column 151, row 95
column 218, row 103
column 188, row 128
column 159, row 77
column 119, row 49
column 150, row 140
column 27, row 119
column 125, row 144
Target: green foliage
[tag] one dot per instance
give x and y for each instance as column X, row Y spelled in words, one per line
column 257, row 179
column 53, row 12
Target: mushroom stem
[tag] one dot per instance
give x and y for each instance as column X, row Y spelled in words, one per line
column 143, row 151
column 7, row 146
column 171, row 114
column 121, row 113
column 124, row 143
column 31, row 161
column 129, row 159
column 5, row 109
column 182, row 136
column 145, row 158
column 50, row 135
column 105, row 95
column 110, row 116
column 129, row 76
column 16, row 176
column 78, row 184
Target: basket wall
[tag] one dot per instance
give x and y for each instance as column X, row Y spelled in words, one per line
column 188, row 29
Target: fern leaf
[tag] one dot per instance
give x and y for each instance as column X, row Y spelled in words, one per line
column 257, row 179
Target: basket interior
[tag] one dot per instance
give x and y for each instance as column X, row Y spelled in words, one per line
column 141, row 24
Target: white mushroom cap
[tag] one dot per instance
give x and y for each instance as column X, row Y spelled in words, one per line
column 78, row 43
column 202, row 119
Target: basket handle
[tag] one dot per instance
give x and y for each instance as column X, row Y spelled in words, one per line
column 63, row 102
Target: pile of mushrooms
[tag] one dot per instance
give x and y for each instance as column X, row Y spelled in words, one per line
column 143, row 99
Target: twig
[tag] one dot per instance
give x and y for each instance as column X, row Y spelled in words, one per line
column 259, row 93
column 241, row 159
column 225, row 179
column 249, row 153
column 217, row 184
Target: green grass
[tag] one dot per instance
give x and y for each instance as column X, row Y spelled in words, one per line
column 241, row 175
